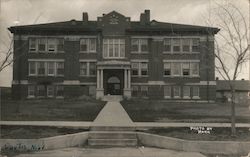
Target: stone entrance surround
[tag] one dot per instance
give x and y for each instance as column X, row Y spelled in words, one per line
column 121, row 65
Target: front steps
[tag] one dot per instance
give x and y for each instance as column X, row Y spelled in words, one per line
column 116, row 98
column 112, row 136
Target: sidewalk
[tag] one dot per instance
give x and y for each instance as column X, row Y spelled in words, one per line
column 113, row 114
column 112, row 152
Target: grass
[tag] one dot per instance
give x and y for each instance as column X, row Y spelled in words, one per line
column 162, row 111
column 51, row 110
column 35, row 132
column 216, row 134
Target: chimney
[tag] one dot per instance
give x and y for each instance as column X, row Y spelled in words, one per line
column 145, row 17
column 85, row 17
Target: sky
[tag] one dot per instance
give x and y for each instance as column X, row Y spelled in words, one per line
column 44, row 11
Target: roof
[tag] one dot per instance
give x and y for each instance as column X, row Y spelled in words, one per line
column 240, row 85
column 74, row 25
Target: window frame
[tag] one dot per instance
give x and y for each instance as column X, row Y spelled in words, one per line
column 31, row 74
column 169, row 88
column 48, row 90
column 88, row 63
column 88, row 45
column 179, row 95
column 109, row 44
column 198, row 92
column 34, row 91
column 139, row 44
column 140, row 68
column 186, row 96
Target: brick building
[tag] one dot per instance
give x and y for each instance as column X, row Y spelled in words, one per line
column 114, row 56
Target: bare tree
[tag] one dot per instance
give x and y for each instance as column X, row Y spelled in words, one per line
column 6, row 54
column 231, row 46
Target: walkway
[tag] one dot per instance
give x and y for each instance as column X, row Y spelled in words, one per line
column 74, row 124
column 113, row 114
column 112, row 152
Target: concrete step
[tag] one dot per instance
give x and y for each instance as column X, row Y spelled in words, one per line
column 112, row 98
column 112, row 135
column 112, row 128
column 112, row 142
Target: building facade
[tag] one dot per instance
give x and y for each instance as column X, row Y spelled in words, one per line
column 114, row 56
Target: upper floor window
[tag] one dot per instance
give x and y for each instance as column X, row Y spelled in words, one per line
column 185, row 68
column 113, row 48
column 139, row 45
column 139, row 68
column 46, row 68
column 181, row 45
column 46, row 45
column 87, row 68
column 88, row 45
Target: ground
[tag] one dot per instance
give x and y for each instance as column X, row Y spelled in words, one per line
column 215, row 134
column 112, row 152
column 163, row 111
column 34, row 132
column 51, row 110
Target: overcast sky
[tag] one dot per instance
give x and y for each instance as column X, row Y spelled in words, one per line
column 43, row 11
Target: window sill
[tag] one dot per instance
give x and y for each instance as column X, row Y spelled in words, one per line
column 181, row 76
column 87, row 75
column 46, row 75
column 46, row 52
column 30, row 97
column 167, row 97
column 196, row 97
column 113, row 57
column 87, row 52
column 139, row 76
column 139, row 52
column 173, row 53
column 177, row 97
column 59, row 97
column 186, row 97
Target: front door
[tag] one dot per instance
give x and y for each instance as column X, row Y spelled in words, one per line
column 114, row 86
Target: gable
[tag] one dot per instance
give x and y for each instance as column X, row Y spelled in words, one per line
column 113, row 23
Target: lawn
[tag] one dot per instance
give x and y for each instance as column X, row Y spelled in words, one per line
column 141, row 110
column 215, row 134
column 34, row 132
column 51, row 110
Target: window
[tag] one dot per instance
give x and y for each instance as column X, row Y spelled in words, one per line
column 185, row 69
column 60, row 45
column 135, row 69
column 195, row 45
column 186, row 45
column 113, row 48
column 31, row 91
column 186, row 92
column 51, row 68
column 196, row 94
column 135, row 90
column 139, row 45
column 167, row 45
column 83, row 68
column 88, row 45
column 167, row 91
column 92, row 68
column 87, row 68
column 139, row 68
column 176, row 68
column 144, row 68
column 40, row 90
column 42, row 42
column 177, row 92
column 32, row 44
column 176, row 45
column 41, row 68
column 32, row 68
column 194, row 69
column 167, row 69
column 51, row 45
column 50, row 91
column 144, row 91
column 59, row 91
column 60, row 68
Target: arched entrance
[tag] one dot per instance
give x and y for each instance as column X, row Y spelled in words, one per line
column 114, row 86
